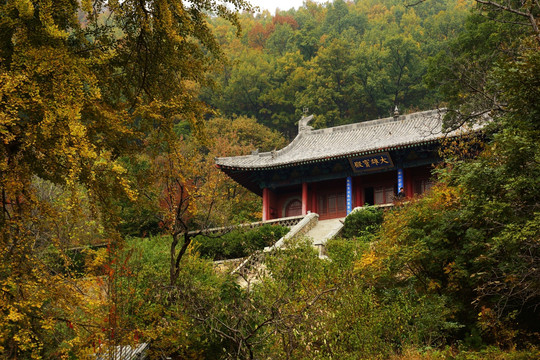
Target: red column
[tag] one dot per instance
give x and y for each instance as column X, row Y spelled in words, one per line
column 304, row 198
column 359, row 193
column 314, row 197
column 272, row 211
column 266, row 205
column 409, row 191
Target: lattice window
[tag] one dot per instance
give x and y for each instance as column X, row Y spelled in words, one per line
column 383, row 195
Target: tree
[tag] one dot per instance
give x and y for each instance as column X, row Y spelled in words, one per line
column 193, row 194
column 346, row 61
column 80, row 92
column 495, row 35
column 330, row 92
column 473, row 240
column 529, row 12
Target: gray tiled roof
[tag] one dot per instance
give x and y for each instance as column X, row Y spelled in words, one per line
column 354, row 139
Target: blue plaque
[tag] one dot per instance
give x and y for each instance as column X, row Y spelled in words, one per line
column 349, row 195
column 371, row 162
column 399, row 179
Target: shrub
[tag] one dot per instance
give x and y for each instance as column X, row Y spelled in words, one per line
column 363, row 222
column 239, row 243
column 344, row 252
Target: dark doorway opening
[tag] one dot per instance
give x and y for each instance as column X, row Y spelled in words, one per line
column 369, row 198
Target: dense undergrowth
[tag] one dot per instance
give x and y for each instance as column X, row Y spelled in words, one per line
column 354, row 306
column 238, row 243
column 94, row 147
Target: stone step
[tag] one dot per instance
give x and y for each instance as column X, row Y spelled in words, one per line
column 324, row 230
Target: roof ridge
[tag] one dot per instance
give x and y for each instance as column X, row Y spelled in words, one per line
column 303, row 136
column 357, row 125
column 375, row 122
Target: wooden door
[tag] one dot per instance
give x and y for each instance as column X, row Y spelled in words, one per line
column 332, row 205
column 293, row 208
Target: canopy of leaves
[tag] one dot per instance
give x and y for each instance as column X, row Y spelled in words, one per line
column 475, row 238
column 83, row 85
column 346, row 61
column 101, row 133
column 362, row 222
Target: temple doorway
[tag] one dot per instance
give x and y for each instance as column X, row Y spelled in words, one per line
column 332, row 205
column 293, row 208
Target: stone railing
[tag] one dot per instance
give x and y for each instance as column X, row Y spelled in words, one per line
column 383, row 206
column 249, row 266
column 287, row 222
column 226, row 266
column 299, row 225
column 300, row 229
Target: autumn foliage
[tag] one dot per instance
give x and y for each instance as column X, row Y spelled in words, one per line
column 111, row 114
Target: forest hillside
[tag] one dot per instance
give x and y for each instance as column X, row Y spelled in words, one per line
column 111, row 115
column 344, row 61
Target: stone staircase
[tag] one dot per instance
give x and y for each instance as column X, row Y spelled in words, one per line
column 324, row 231
column 253, row 268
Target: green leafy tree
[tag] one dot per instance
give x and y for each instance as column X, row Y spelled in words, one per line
column 289, row 78
column 78, row 92
column 194, row 195
column 472, row 239
column 329, row 90
column 468, row 82
column 345, row 61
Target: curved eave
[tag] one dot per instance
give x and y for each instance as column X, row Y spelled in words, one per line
column 242, row 177
column 329, row 158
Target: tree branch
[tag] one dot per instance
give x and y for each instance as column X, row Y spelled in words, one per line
column 528, row 14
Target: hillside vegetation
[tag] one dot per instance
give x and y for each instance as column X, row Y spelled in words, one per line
column 111, row 114
column 344, row 61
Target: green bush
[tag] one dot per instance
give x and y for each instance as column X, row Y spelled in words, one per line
column 239, row 243
column 328, row 310
column 344, row 252
column 363, row 222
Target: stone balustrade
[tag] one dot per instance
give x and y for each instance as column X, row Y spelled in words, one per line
column 253, row 262
column 287, row 222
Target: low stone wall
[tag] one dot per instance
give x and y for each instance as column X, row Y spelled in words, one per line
column 300, row 229
column 288, row 222
column 383, row 206
column 227, row 266
column 306, row 223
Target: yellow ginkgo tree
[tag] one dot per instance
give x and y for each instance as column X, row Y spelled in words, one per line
column 83, row 85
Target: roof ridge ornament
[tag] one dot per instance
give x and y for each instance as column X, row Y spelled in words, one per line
column 303, row 124
column 396, row 112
